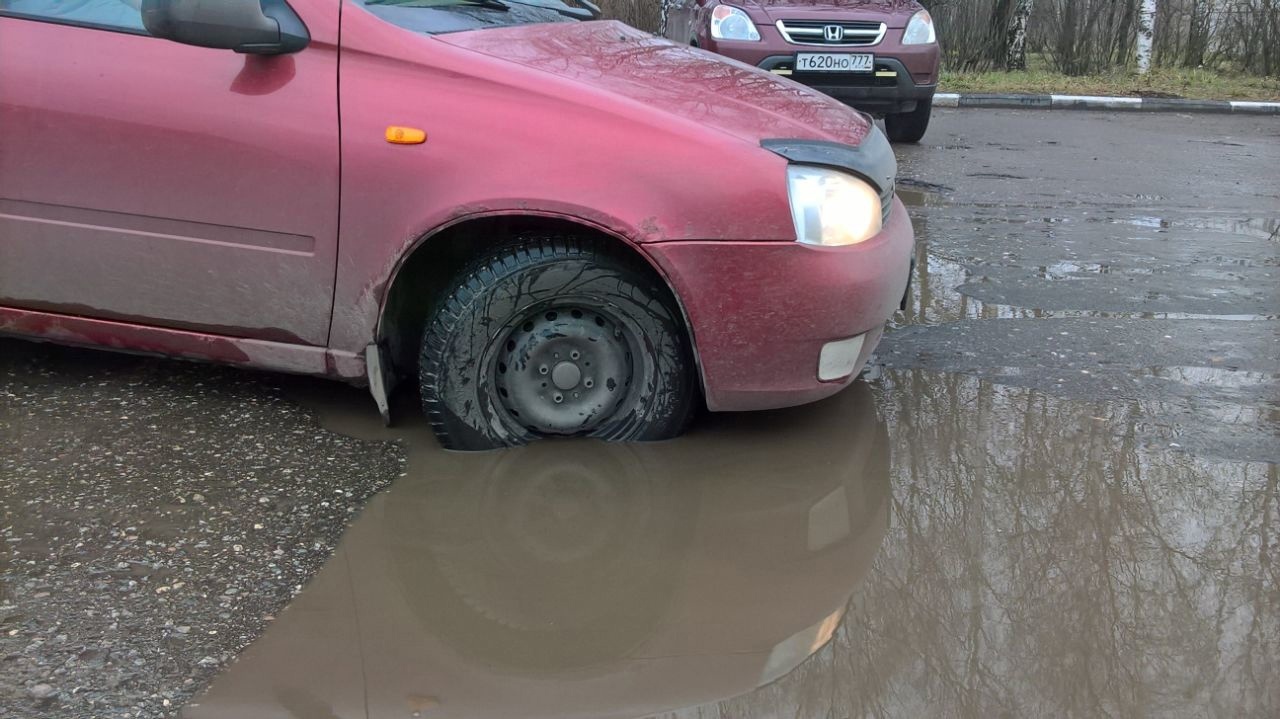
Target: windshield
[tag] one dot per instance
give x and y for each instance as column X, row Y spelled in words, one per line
column 441, row 16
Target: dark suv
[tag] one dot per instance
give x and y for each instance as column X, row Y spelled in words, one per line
column 880, row 56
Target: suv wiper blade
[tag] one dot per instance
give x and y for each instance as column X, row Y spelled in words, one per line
column 490, row 4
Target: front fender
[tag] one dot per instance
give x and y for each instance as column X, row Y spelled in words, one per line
column 504, row 139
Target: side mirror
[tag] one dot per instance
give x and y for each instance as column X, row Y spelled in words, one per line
column 259, row 27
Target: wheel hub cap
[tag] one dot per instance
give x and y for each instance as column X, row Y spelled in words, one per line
column 563, row 371
column 566, row 375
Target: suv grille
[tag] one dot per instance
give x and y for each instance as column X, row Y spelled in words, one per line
column 836, row 34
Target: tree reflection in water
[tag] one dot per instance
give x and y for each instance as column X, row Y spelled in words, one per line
column 1043, row 560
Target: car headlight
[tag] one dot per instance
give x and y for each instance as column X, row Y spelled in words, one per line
column 920, row 30
column 832, row 208
column 730, row 23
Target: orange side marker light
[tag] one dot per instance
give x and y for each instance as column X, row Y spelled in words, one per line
column 398, row 135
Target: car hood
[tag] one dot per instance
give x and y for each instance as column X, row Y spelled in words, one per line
column 710, row 90
column 893, row 13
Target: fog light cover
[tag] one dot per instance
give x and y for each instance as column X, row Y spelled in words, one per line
column 838, row 358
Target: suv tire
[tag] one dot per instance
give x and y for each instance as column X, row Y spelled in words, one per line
column 909, row 126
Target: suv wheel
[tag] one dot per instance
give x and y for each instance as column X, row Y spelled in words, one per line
column 555, row 336
column 909, row 126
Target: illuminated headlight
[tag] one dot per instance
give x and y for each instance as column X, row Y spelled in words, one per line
column 920, row 30
column 831, row 208
column 730, row 23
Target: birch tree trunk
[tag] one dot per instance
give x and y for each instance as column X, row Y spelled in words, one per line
column 1017, row 45
column 1146, row 33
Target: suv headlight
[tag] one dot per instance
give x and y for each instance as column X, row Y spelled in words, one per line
column 831, row 208
column 730, row 23
column 919, row 30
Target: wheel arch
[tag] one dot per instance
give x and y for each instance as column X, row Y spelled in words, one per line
column 425, row 271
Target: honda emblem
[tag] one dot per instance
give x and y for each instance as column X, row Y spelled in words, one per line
column 833, row 33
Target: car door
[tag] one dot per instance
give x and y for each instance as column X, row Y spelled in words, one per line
column 162, row 184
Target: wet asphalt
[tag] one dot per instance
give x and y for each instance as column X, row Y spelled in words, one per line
column 1055, row 493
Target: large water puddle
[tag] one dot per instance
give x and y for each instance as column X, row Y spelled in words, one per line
column 928, row 544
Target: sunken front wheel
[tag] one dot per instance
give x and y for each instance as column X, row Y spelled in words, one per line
column 555, row 336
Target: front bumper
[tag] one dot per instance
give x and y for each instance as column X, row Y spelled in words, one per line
column 890, row 89
column 914, row 68
column 761, row 312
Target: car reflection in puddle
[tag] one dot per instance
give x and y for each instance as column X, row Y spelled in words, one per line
column 581, row 578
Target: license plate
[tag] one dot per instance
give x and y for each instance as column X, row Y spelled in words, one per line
column 834, row 62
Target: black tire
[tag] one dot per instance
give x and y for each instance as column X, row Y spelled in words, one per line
column 507, row 355
column 909, row 126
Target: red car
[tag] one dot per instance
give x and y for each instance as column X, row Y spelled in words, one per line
column 559, row 227
column 880, row 56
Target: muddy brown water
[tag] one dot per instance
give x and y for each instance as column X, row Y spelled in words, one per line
column 579, row 578
column 963, row 548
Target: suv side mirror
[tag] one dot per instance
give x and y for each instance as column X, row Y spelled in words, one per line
column 259, row 27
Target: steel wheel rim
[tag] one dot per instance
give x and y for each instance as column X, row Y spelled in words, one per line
column 563, row 370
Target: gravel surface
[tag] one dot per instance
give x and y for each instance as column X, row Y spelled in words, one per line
column 155, row 516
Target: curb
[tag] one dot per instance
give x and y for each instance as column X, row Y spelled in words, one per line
column 1093, row 102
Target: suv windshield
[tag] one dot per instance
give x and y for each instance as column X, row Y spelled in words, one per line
column 438, row 16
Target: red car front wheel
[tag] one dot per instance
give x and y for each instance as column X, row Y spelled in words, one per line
column 555, row 336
